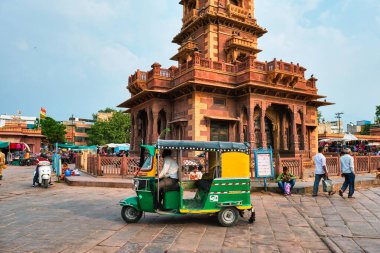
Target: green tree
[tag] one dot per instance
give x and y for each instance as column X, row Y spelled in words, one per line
column 53, row 130
column 377, row 114
column 319, row 116
column 365, row 129
column 107, row 110
column 115, row 130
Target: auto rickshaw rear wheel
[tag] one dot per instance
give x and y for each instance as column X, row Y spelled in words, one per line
column 130, row 214
column 228, row 216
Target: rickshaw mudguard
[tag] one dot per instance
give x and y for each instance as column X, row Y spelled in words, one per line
column 131, row 201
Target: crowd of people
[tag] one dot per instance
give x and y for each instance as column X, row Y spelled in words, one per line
column 357, row 147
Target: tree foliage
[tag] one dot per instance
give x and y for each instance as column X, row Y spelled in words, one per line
column 53, row 130
column 116, row 129
column 377, row 114
column 107, row 110
column 319, row 117
column 365, row 129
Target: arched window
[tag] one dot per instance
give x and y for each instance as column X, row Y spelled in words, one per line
column 191, row 5
column 236, row 2
column 269, row 132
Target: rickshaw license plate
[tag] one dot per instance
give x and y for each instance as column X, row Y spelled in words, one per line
column 214, row 198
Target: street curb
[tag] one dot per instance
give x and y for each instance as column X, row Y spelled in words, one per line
column 359, row 184
column 108, row 184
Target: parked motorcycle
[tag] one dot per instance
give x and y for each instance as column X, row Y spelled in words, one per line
column 43, row 176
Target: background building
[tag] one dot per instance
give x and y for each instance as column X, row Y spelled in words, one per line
column 331, row 127
column 220, row 91
column 21, row 129
column 76, row 131
column 358, row 127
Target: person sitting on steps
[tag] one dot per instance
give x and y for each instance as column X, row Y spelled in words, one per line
column 286, row 177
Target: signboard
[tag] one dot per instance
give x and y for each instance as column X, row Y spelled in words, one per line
column 264, row 164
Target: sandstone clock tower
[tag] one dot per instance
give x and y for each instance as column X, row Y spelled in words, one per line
column 221, row 30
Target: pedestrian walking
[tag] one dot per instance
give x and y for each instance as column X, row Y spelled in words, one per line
column 348, row 172
column 320, row 170
column 2, row 164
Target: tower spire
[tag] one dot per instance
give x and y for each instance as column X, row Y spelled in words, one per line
column 223, row 30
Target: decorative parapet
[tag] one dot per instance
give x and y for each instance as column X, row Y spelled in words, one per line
column 237, row 11
column 20, row 130
column 241, row 43
column 275, row 72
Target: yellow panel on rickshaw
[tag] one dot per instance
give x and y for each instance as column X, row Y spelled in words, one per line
column 235, row 165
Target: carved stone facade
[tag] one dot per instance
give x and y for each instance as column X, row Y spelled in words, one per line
column 220, row 91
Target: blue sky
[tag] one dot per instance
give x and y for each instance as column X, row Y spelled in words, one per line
column 74, row 57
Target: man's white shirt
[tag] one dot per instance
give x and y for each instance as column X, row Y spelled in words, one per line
column 169, row 169
column 319, row 161
column 347, row 164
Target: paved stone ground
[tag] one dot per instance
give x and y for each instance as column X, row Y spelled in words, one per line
column 85, row 219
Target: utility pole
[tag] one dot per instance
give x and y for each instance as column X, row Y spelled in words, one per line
column 72, row 129
column 338, row 115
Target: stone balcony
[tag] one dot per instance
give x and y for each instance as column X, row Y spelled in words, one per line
column 240, row 42
column 288, row 76
column 187, row 48
column 236, row 11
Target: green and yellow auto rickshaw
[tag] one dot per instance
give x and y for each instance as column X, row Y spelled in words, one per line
column 224, row 189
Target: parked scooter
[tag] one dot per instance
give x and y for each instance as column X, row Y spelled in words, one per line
column 42, row 174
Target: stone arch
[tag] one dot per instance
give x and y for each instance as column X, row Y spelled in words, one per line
column 142, row 127
column 272, row 118
column 269, row 132
column 190, row 5
column 161, row 122
column 237, row 2
column 300, row 118
column 244, row 129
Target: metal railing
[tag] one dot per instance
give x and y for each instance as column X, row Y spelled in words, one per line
column 97, row 165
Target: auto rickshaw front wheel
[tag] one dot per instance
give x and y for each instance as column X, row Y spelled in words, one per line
column 130, row 214
column 228, row 216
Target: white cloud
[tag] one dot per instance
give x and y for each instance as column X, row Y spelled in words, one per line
column 83, row 9
column 323, row 48
column 22, row 45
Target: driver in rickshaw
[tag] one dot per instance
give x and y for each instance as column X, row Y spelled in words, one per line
column 168, row 175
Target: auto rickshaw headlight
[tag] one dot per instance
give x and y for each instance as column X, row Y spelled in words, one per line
column 135, row 184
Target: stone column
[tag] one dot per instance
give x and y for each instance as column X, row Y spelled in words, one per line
column 241, row 132
column 304, row 132
column 283, row 132
column 294, row 131
column 263, row 133
column 154, row 128
column 251, row 127
column 133, row 131
column 149, row 127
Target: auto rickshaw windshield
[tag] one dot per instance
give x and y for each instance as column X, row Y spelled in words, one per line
column 147, row 165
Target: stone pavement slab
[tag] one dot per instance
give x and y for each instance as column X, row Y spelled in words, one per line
column 87, row 219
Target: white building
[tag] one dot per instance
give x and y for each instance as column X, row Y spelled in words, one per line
column 30, row 121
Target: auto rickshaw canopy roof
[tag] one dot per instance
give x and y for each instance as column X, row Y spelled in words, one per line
column 204, row 146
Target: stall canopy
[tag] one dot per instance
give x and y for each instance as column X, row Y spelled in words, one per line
column 121, row 147
column 349, row 137
column 86, row 147
column 67, row 146
column 346, row 137
column 4, row 144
